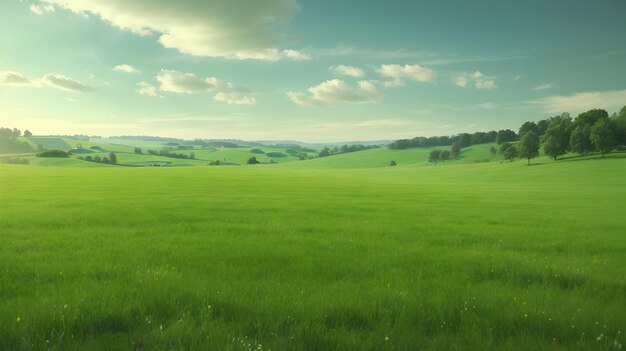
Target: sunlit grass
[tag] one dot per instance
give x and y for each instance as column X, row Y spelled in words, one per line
column 471, row 256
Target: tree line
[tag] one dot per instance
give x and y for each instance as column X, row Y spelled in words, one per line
column 112, row 159
column 326, row 151
column 590, row 131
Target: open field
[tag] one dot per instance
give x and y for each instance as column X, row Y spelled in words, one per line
column 490, row 256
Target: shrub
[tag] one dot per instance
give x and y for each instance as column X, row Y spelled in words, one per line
column 276, row 154
column 259, row 151
column 252, row 161
column 53, row 153
column 16, row 161
column 393, row 163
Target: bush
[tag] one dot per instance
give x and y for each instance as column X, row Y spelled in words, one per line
column 138, row 151
column 252, row 161
column 97, row 148
column 259, row 151
column 434, row 155
column 393, row 163
column 275, row 154
column 53, row 153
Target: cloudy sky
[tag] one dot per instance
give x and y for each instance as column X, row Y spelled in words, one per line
column 311, row 70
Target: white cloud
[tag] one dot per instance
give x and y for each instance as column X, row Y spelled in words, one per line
column 188, row 83
column 235, row 98
column 239, row 29
column 348, row 71
column 460, row 81
column 41, row 9
column 296, row 55
column 485, row 84
column 144, row 88
column 543, row 86
column 480, row 80
column 398, row 74
column 53, row 80
column 13, row 78
column 62, row 82
column 576, row 103
column 337, row 91
column 126, row 68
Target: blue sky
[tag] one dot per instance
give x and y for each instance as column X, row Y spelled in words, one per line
column 305, row 70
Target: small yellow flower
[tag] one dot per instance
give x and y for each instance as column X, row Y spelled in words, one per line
column 525, row 315
column 18, row 319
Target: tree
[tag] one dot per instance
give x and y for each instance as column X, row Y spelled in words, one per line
column 591, row 117
column 477, row 138
column 325, row 152
column 505, row 135
column 542, row 126
column 529, row 146
column 138, row 150
column 105, row 160
column 493, row 151
column 97, row 159
column 393, row 163
column 580, row 139
column 619, row 126
column 527, row 127
column 557, row 136
column 510, row 153
column 465, row 140
column 602, row 137
column 455, row 150
column 252, row 161
column 434, row 155
column 112, row 157
column 27, row 133
column 445, row 155
column 504, row 146
column 192, row 156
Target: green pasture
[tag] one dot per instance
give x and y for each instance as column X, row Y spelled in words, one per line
column 485, row 256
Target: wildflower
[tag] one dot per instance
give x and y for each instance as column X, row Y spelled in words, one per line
column 18, row 319
column 525, row 315
column 599, row 338
column 386, row 338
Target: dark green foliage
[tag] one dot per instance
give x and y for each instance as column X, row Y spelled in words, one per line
column 478, row 138
column 510, row 153
column 252, row 161
column 276, row 154
column 490, row 137
column 88, row 158
column 112, row 158
column 184, row 147
column 325, row 152
column 97, row 159
column 166, row 153
column 138, row 150
column 223, row 144
column 505, row 135
column 27, row 133
column 53, row 153
column 557, row 136
column 455, row 150
column 503, row 147
column 393, row 163
column 259, row 151
column 153, row 152
column 528, row 127
column 445, row 155
column 493, row 151
column 542, row 126
column 105, row 160
column 618, row 122
column 529, row 145
column 434, row 155
column 580, row 139
column 9, row 142
column 602, row 136
column 590, row 117
column 465, row 140
column 97, row 148
column 192, row 156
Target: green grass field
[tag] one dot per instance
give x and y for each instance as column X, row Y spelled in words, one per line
column 489, row 256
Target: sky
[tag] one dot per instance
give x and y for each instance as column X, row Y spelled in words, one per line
column 308, row 70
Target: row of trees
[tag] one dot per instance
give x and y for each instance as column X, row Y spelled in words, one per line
column 166, row 153
column 463, row 140
column 112, row 159
column 326, row 151
column 9, row 142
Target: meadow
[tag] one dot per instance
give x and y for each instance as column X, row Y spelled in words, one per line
column 464, row 256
